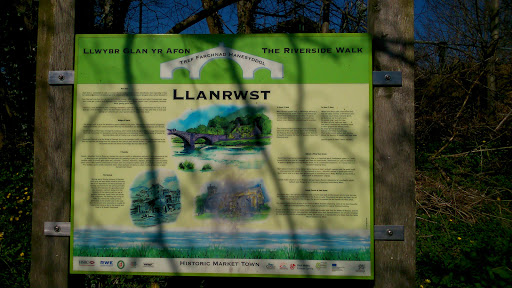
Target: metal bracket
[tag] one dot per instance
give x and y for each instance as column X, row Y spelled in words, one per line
column 387, row 79
column 57, row 229
column 388, row 232
column 61, row 77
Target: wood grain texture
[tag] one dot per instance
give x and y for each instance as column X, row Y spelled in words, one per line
column 52, row 144
column 392, row 25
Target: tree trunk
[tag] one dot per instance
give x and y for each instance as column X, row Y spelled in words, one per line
column 326, row 11
column 193, row 19
column 245, row 10
column 114, row 15
column 491, row 55
column 214, row 21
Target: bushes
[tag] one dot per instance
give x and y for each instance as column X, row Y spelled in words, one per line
column 15, row 215
column 206, row 167
column 187, row 166
column 452, row 253
column 464, row 216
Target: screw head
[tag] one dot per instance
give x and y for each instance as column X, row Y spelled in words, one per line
column 61, row 77
column 389, row 232
column 387, row 77
column 56, row 228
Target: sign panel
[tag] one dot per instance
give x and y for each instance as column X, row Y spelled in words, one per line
column 223, row 155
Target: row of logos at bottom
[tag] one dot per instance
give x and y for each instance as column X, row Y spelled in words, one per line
column 109, row 263
column 360, row 268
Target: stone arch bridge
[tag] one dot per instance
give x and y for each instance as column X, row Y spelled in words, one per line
column 189, row 139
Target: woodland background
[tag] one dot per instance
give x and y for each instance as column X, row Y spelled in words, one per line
column 463, row 117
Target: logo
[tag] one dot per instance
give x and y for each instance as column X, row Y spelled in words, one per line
column 292, row 266
column 85, row 262
column 120, row 264
column 107, row 263
column 283, row 266
column 270, row 266
column 304, row 267
column 148, row 265
column 361, row 268
column 336, row 267
column 321, row 265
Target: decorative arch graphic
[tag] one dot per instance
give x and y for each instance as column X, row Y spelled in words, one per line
column 194, row 63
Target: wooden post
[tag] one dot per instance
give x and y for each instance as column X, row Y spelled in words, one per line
column 392, row 25
column 52, row 143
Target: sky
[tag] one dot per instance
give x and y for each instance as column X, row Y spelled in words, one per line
column 159, row 21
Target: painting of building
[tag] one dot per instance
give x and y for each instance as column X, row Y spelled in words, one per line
column 156, row 198
column 240, row 202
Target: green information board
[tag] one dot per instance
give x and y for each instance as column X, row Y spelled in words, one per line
column 223, row 155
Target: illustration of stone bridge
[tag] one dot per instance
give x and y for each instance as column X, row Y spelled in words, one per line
column 189, row 139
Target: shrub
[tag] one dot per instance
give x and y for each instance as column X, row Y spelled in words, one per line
column 16, row 215
column 206, row 167
column 187, row 165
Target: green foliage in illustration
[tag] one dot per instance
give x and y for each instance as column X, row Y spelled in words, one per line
column 248, row 142
column 219, row 252
column 237, row 126
column 187, row 166
column 206, row 167
column 200, row 204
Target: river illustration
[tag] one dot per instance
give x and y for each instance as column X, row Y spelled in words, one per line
column 217, row 136
column 219, row 157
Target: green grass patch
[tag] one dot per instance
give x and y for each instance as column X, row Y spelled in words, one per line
column 216, row 252
column 261, row 215
column 187, row 166
column 452, row 253
column 206, row 167
column 248, row 142
column 15, row 214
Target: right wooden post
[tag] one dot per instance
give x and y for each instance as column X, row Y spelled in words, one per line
column 392, row 25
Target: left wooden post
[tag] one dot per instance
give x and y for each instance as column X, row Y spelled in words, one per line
column 52, row 143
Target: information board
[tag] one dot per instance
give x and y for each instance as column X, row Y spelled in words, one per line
column 223, row 155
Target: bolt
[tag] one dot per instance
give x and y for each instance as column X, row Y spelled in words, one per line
column 56, row 229
column 387, row 77
column 390, row 233
column 61, row 77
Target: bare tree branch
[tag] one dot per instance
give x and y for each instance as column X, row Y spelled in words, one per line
column 214, row 21
column 246, row 19
column 193, row 19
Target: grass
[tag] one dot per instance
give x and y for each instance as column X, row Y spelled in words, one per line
column 464, row 224
column 454, row 253
column 15, row 215
column 206, row 167
column 249, row 142
column 233, row 216
column 186, row 166
column 223, row 252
